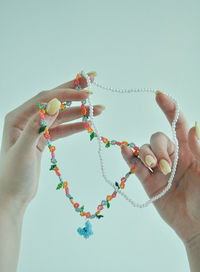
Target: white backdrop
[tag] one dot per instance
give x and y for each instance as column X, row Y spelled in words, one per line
column 130, row 44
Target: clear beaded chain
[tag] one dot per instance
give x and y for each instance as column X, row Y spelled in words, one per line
column 99, row 138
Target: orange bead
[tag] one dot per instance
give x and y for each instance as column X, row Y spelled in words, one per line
column 83, row 213
column 42, row 111
column 62, row 106
column 56, row 168
column 72, row 201
column 136, row 153
column 109, row 197
column 97, row 212
column 122, row 185
column 83, row 112
column 132, row 170
column 124, row 143
column 65, row 184
column 90, row 130
column 78, row 76
column 46, row 130
column 105, row 140
column 52, row 148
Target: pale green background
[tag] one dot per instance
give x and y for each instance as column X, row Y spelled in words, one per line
column 130, row 44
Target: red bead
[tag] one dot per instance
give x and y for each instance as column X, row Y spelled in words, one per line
column 76, row 82
column 58, row 174
column 118, row 143
column 136, row 148
column 123, row 179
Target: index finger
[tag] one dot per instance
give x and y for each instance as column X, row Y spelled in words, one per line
column 168, row 106
column 21, row 115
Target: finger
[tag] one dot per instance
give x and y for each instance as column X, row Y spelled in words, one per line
column 61, row 131
column 30, row 135
column 82, row 80
column 66, row 92
column 162, row 148
column 193, row 140
column 168, row 106
column 141, row 171
column 152, row 182
column 147, row 156
column 75, row 113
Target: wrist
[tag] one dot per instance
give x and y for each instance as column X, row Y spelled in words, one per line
column 12, row 207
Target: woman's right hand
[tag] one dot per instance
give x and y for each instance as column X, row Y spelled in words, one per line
column 22, row 145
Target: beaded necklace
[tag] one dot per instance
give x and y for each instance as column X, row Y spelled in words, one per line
column 86, row 231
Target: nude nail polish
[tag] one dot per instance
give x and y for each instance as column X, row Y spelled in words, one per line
column 164, row 166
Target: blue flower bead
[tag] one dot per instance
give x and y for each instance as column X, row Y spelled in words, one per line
column 86, row 231
column 43, row 122
column 68, row 103
column 103, row 202
column 113, row 142
column 53, row 160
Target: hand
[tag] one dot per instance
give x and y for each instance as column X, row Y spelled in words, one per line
column 22, row 145
column 180, row 206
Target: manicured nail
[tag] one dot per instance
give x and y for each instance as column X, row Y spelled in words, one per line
column 164, row 165
column 102, row 106
column 87, row 91
column 197, row 129
column 93, row 72
column 158, row 92
column 149, row 160
column 53, row 106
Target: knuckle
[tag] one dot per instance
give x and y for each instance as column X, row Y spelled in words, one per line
column 9, row 115
column 157, row 134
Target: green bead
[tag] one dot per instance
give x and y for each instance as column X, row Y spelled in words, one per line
column 108, row 204
column 108, row 144
column 92, row 136
column 116, row 183
column 42, row 129
column 38, row 104
column 99, row 216
column 59, row 185
column 52, row 166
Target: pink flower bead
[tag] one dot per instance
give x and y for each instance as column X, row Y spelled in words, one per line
column 41, row 115
column 114, row 195
column 123, row 179
column 47, row 136
column 76, row 205
column 88, row 215
column 87, row 124
column 100, row 207
column 53, row 154
column 82, row 106
column 58, row 173
column 67, row 190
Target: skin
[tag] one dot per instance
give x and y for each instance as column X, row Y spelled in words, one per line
column 21, row 142
column 179, row 207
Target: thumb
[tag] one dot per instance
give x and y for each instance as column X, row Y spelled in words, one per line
column 193, row 140
column 30, row 134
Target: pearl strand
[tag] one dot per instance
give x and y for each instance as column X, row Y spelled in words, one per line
column 173, row 127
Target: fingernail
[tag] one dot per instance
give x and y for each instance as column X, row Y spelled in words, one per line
column 53, row 106
column 101, row 106
column 158, row 92
column 87, row 91
column 197, row 129
column 149, row 160
column 164, row 165
column 93, row 72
